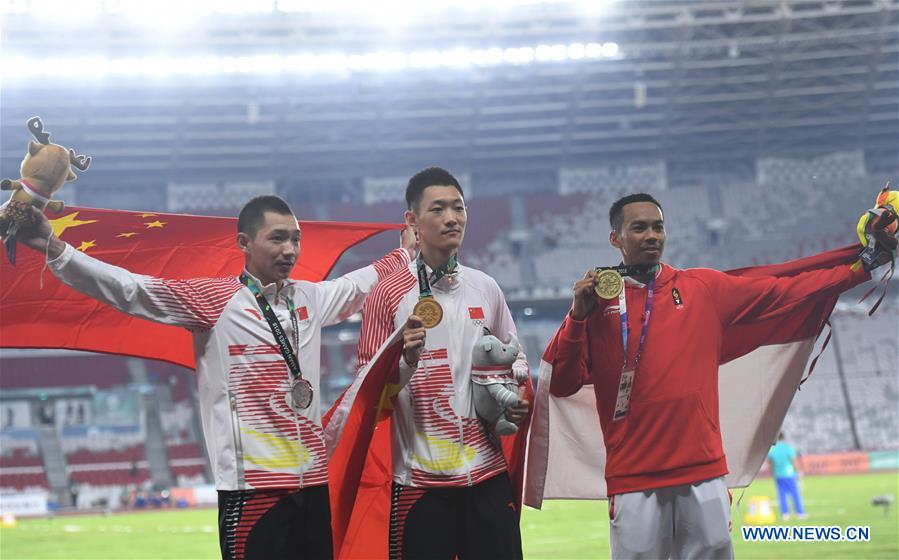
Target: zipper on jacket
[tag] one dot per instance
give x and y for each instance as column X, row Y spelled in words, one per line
column 238, row 443
column 299, row 447
column 462, row 450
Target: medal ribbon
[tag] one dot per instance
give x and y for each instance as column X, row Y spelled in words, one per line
column 283, row 344
column 629, row 269
column 647, row 310
column 424, row 283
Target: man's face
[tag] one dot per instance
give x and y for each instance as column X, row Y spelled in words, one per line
column 274, row 250
column 642, row 235
column 439, row 219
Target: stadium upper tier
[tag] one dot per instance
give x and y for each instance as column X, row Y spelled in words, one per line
column 536, row 245
column 506, row 95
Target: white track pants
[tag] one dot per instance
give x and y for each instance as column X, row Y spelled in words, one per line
column 688, row 521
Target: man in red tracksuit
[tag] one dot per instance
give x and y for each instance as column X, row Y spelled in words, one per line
column 658, row 402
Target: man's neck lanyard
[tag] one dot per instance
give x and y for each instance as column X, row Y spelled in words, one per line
column 427, row 308
column 300, row 393
column 630, row 269
column 280, row 336
column 626, row 382
column 425, row 282
column 647, row 311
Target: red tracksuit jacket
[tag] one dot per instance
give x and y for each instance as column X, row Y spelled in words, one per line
column 671, row 434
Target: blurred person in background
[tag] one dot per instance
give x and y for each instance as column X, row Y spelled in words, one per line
column 784, row 468
column 257, row 340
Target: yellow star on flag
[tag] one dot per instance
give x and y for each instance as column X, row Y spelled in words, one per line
column 146, row 215
column 85, row 245
column 126, row 234
column 157, row 223
column 59, row 225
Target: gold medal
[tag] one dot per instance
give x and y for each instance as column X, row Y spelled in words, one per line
column 609, row 284
column 430, row 312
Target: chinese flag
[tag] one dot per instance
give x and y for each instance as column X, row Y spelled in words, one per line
column 161, row 245
column 357, row 430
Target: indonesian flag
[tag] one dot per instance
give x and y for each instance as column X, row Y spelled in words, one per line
column 762, row 364
column 163, row 245
column 357, row 432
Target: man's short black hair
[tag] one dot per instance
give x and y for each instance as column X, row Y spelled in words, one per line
column 430, row 177
column 252, row 215
column 616, row 212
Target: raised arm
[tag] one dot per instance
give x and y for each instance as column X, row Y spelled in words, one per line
column 741, row 298
column 378, row 316
column 194, row 304
column 339, row 298
column 569, row 351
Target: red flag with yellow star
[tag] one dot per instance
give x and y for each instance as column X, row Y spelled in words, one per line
column 163, row 245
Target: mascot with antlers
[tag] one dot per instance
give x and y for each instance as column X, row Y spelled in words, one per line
column 44, row 171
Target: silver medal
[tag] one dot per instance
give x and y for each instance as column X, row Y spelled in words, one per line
column 301, row 394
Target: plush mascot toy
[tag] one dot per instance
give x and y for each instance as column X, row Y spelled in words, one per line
column 494, row 385
column 45, row 169
column 877, row 231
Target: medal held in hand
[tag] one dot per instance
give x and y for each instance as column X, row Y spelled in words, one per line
column 610, row 281
column 609, row 284
column 430, row 312
column 427, row 308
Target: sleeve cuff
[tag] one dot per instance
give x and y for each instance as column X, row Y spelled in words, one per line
column 407, row 256
column 63, row 258
column 860, row 276
column 406, row 370
column 573, row 329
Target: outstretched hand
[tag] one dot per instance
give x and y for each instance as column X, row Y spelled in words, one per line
column 38, row 234
column 409, row 240
column 880, row 230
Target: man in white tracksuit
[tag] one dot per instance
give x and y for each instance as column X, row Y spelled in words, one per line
column 257, row 340
column 452, row 496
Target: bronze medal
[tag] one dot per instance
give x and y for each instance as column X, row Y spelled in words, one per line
column 430, row 312
column 301, row 394
column 609, row 284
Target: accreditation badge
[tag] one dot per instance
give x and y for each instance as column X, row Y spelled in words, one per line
column 609, row 284
column 623, row 401
column 301, row 394
column 429, row 311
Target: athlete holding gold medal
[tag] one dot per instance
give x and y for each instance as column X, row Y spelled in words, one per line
column 451, row 491
column 648, row 339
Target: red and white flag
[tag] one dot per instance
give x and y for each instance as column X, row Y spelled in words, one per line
column 762, row 365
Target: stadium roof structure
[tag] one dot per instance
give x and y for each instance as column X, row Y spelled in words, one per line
column 330, row 98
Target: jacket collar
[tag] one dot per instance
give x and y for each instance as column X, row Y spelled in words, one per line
column 272, row 289
column 663, row 276
column 448, row 283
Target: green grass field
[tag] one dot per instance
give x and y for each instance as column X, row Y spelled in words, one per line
column 562, row 530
